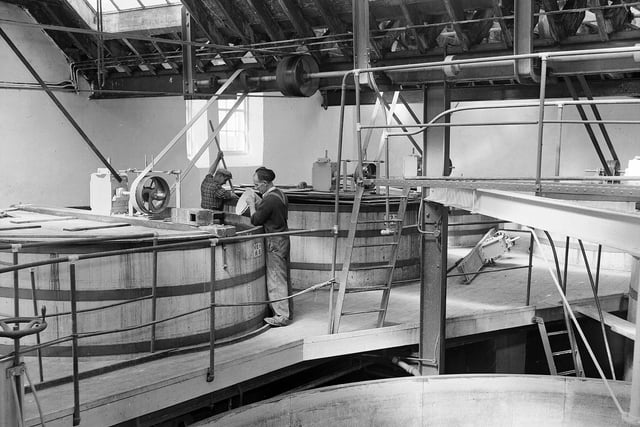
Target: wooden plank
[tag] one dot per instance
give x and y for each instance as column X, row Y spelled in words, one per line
column 18, row 227
column 617, row 324
column 32, row 220
column 97, row 227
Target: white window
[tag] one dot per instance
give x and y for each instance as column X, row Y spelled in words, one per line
column 233, row 136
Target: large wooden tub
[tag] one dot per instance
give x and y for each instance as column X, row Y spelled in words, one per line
column 311, row 255
column 473, row 400
column 183, row 285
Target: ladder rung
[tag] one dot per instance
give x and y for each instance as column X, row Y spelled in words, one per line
column 372, row 267
column 373, row 245
column 569, row 372
column 564, row 331
column 353, row 313
column 560, row 353
column 368, row 289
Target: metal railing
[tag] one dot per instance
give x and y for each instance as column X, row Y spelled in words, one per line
column 154, row 246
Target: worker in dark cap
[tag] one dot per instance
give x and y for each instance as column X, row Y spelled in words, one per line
column 272, row 212
column 213, row 194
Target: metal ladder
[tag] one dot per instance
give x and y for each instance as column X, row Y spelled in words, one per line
column 394, row 230
column 551, row 355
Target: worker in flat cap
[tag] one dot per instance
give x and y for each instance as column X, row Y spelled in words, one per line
column 213, row 194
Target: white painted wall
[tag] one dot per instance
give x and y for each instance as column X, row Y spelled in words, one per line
column 44, row 161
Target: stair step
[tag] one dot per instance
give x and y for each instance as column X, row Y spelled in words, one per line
column 372, row 267
column 353, row 313
column 560, row 353
column 562, row 332
column 367, row 289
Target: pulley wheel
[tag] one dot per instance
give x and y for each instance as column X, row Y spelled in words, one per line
column 152, row 194
column 291, row 75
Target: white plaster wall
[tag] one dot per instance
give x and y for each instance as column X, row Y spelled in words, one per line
column 43, row 160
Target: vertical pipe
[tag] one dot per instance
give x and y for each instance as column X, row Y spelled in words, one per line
column 543, row 84
column 16, row 310
column 566, row 265
column 559, row 146
column 32, row 274
column 599, row 307
column 598, row 267
column 154, row 298
column 212, row 315
column 74, row 344
column 16, row 283
column 336, row 199
column 529, row 268
column 358, row 129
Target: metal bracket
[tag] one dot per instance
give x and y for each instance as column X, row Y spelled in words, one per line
column 16, row 371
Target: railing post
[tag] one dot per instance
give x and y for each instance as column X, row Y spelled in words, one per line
column 74, row 342
column 16, row 310
column 543, row 87
column 529, row 269
column 32, row 274
column 154, row 301
column 212, row 315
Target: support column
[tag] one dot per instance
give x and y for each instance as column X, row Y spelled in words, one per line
column 433, row 289
column 634, row 405
column 631, row 315
column 433, row 277
column 188, row 55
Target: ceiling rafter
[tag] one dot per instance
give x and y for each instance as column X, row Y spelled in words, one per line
column 263, row 15
column 295, row 15
column 507, row 38
column 563, row 25
column 336, row 26
column 205, row 22
column 600, row 20
column 231, row 18
column 456, row 13
column 420, row 38
column 74, row 39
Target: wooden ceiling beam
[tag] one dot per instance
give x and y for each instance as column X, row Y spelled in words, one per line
column 294, row 13
column 456, row 13
column 420, row 38
column 507, row 38
column 74, row 39
column 600, row 20
column 336, row 26
column 270, row 26
column 202, row 16
column 232, row 19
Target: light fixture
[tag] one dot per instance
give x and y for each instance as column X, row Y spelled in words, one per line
column 217, row 60
column 248, row 58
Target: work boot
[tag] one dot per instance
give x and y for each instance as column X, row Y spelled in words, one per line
column 277, row 320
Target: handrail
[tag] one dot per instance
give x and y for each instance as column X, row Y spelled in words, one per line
column 198, row 243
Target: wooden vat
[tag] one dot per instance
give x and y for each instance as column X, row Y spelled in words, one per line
column 460, row 400
column 183, row 285
column 311, row 255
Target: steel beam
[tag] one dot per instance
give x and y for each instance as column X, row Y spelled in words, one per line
column 609, row 228
column 433, row 289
